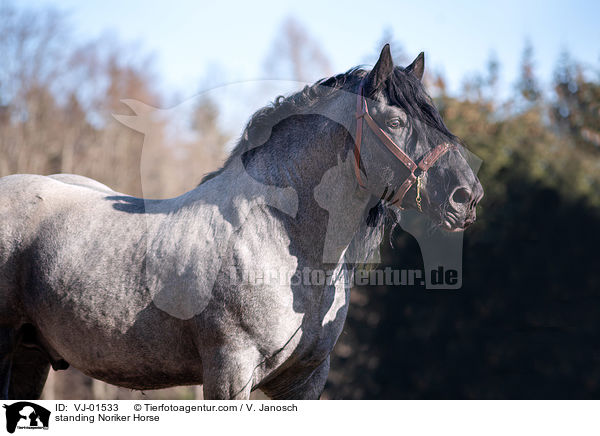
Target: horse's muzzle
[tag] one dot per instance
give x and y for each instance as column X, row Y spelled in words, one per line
column 461, row 212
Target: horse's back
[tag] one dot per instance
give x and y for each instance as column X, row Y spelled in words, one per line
column 27, row 199
column 85, row 182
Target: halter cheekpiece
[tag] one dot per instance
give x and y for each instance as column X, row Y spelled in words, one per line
column 362, row 113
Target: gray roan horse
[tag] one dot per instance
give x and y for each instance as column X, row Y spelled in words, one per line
column 148, row 294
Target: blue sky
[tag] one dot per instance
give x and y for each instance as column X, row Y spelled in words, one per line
column 192, row 39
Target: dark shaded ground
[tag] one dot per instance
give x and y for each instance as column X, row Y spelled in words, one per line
column 526, row 323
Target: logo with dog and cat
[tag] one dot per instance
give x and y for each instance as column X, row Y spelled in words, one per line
column 24, row 415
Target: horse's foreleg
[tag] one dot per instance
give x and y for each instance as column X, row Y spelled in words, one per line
column 228, row 375
column 7, row 339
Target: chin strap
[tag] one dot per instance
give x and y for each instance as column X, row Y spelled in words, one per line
column 362, row 113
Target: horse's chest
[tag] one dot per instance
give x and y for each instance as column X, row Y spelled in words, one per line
column 323, row 331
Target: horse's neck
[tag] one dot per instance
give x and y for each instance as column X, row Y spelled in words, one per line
column 311, row 166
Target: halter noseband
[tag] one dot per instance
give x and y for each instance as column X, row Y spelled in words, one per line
column 362, row 112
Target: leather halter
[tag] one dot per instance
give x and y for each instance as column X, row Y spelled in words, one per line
column 362, row 113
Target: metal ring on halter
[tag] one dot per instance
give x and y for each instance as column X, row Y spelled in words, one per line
column 418, row 197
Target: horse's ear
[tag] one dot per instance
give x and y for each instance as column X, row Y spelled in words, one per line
column 417, row 68
column 380, row 72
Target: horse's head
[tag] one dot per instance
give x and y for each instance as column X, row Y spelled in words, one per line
column 408, row 157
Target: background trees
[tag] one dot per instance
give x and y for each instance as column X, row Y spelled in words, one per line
column 526, row 322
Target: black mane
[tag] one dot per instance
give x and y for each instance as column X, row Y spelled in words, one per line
column 407, row 92
column 402, row 88
column 259, row 127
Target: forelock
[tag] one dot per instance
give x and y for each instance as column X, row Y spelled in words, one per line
column 407, row 92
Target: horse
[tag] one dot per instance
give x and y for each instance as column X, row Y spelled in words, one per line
column 225, row 285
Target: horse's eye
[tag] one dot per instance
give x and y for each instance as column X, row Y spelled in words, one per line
column 395, row 123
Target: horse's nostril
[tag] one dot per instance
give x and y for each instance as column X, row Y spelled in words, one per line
column 461, row 196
